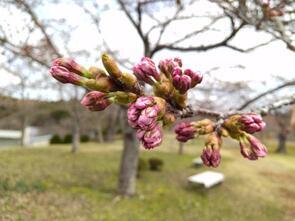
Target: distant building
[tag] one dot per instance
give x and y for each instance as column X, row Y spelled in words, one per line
column 32, row 137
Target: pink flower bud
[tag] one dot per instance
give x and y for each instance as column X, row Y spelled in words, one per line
column 211, row 157
column 95, row 101
column 148, row 118
column 144, row 102
column 184, row 131
column 146, row 70
column 72, row 66
column 167, row 66
column 150, row 138
column 251, row 123
column 196, row 77
column 143, row 113
column 64, row 76
column 211, row 153
column 180, row 81
column 251, row 147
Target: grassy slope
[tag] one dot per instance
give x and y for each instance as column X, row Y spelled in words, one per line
column 52, row 184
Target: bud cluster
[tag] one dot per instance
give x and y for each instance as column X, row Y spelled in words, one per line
column 145, row 115
column 148, row 114
column 170, row 82
column 239, row 127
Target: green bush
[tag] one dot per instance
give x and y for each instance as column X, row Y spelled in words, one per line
column 155, row 164
column 141, row 166
column 55, row 139
column 84, row 138
column 68, row 139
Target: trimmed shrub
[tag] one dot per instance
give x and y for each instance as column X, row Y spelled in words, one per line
column 68, row 139
column 55, row 139
column 84, row 138
column 141, row 166
column 155, row 164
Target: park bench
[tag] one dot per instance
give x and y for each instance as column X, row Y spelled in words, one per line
column 207, row 179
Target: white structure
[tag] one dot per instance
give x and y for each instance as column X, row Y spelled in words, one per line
column 31, row 137
column 208, row 179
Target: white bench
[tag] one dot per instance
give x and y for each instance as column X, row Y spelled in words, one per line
column 208, row 179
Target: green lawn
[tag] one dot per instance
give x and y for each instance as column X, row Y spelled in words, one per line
column 52, row 184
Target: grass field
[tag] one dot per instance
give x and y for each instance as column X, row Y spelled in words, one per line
column 53, row 185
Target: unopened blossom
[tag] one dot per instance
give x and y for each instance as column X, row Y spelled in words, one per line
column 64, row 76
column 72, row 66
column 204, row 126
column 211, row 153
column 251, row 147
column 150, row 138
column 167, row 66
column 181, row 81
column 251, row 123
column 146, row 71
column 111, row 66
column 144, row 113
column 185, row 131
column 95, row 101
column 196, row 77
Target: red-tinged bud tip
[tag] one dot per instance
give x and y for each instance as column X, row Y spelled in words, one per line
column 95, row 101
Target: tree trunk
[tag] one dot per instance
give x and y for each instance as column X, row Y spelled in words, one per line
column 75, row 136
column 129, row 159
column 99, row 135
column 282, row 138
column 23, row 130
column 76, row 123
column 180, row 148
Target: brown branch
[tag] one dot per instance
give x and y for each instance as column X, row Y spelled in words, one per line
column 246, row 104
column 40, row 26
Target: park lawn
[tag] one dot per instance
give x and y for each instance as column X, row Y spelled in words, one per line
column 54, row 185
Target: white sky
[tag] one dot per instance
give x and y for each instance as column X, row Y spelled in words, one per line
column 260, row 65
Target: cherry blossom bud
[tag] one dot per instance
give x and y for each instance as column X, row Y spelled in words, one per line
column 180, row 81
column 72, row 66
column 203, row 127
column 95, row 101
column 111, row 66
column 102, row 83
column 148, row 118
column 180, row 100
column 122, row 97
column 144, row 102
column 97, row 72
column 168, row 119
column 196, row 77
column 251, row 123
column 211, row 157
column 144, row 113
column 151, row 138
column 64, row 76
column 251, row 147
column 211, row 153
column 146, row 71
column 167, row 66
column 185, row 131
column 163, row 88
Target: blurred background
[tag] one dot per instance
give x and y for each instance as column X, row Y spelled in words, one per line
column 61, row 162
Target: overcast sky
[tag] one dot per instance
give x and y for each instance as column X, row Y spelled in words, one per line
column 259, row 65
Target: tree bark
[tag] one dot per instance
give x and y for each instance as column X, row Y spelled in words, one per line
column 282, row 138
column 23, row 130
column 129, row 159
column 76, row 124
column 75, row 136
column 180, row 148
